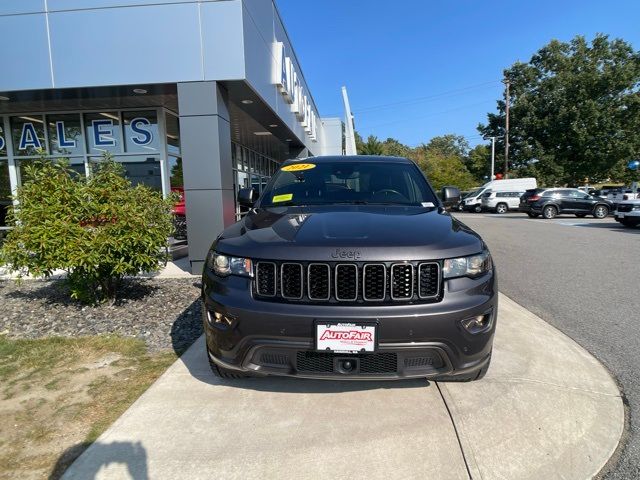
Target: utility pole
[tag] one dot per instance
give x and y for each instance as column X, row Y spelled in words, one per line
column 493, row 157
column 506, row 128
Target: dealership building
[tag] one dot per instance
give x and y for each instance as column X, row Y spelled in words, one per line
column 203, row 95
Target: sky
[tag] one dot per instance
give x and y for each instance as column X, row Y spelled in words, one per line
column 415, row 69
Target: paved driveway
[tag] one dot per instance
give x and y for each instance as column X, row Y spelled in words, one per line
column 582, row 276
column 546, row 409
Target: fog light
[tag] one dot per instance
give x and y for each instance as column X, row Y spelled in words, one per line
column 217, row 318
column 478, row 324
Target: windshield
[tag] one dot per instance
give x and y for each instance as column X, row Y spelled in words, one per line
column 473, row 193
column 350, row 183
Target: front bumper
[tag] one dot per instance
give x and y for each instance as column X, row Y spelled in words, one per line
column 633, row 215
column 414, row 340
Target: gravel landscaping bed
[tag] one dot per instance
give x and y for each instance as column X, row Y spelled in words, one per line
column 165, row 313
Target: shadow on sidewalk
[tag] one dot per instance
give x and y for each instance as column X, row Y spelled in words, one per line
column 131, row 455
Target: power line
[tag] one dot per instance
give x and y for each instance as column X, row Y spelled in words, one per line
column 371, row 108
column 408, row 119
column 423, row 99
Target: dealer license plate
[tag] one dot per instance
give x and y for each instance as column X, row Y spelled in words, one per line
column 346, row 337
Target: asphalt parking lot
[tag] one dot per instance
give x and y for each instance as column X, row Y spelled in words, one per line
column 583, row 276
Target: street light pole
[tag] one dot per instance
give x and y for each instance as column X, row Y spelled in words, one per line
column 506, row 128
column 493, row 157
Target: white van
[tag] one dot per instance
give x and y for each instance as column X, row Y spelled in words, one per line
column 473, row 201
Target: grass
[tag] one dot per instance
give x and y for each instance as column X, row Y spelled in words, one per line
column 57, row 395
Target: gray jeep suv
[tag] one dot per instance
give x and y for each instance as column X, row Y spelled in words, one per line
column 349, row 267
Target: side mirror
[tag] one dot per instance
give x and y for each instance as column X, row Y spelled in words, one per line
column 450, row 196
column 247, row 197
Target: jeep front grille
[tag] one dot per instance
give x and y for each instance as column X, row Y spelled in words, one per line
column 338, row 283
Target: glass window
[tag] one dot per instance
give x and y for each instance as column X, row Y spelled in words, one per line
column 175, row 172
column 237, row 156
column 349, row 182
column 139, row 169
column 3, row 139
column 141, row 131
column 103, row 132
column 65, row 135
column 5, row 192
column 173, row 134
column 28, row 135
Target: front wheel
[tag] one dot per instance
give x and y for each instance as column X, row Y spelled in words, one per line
column 549, row 212
column 477, row 209
column 502, row 208
column 601, row 212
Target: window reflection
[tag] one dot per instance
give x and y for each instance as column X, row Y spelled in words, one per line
column 27, row 133
column 139, row 169
column 65, row 135
column 103, row 132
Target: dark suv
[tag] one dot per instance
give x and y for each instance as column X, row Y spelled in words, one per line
column 550, row 202
column 349, row 267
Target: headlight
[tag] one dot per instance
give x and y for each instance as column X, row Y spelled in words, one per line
column 636, row 207
column 472, row 266
column 224, row 265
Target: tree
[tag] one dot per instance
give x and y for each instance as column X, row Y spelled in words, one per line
column 97, row 230
column 442, row 170
column 575, row 110
column 394, row 148
column 372, row 146
column 478, row 162
column 449, row 145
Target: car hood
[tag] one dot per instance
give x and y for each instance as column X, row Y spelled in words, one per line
column 348, row 233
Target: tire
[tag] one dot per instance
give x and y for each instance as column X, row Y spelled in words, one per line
column 502, row 208
column 581, row 215
column 225, row 373
column 532, row 215
column 477, row 209
column 470, row 377
column 601, row 211
column 549, row 212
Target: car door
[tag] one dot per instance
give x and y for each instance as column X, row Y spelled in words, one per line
column 564, row 200
column 576, row 201
column 584, row 202
column 514, row 200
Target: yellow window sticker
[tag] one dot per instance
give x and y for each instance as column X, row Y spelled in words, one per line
column 297, row 167
column 285, row 197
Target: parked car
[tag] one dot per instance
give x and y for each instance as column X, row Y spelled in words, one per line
column 463, row 194
column 628, row 213
column 550, row 202
column 501, row 202
column 179, row 215
column 375, row 280
column 473, row 202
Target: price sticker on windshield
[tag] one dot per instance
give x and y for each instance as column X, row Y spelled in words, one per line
column 285, row 197
column 298, row 167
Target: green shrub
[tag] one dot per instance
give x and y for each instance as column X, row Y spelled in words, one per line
column 98, row 229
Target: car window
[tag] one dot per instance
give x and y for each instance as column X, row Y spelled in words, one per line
column 347, row 182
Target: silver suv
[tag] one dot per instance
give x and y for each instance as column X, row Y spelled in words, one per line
column 501, row 202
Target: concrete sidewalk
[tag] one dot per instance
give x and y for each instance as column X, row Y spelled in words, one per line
column 546, row 409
